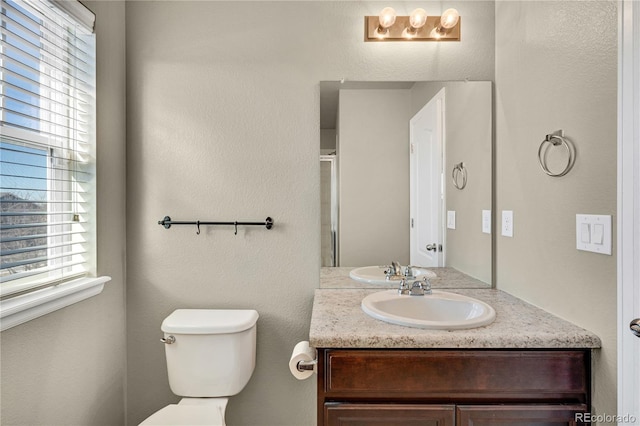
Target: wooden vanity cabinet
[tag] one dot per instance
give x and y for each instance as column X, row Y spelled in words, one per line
column 452, row 387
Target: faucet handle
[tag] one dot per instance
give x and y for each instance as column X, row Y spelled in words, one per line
column 388, row 273
column 408, row 272
column 427, row 285
column 393, row 270
column 403, row 288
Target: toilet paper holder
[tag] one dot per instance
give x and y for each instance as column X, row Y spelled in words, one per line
column 306, row 365
column 304, row 359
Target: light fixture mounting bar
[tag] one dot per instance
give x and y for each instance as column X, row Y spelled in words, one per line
column 431, row 31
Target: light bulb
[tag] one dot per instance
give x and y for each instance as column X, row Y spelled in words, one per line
column 418, row 18
column 387, row 17
column 449, row 18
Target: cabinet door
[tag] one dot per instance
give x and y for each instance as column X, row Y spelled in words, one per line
column 388, row 414
column 520, row 415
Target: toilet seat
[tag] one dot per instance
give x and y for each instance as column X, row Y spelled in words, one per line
column 185, row 413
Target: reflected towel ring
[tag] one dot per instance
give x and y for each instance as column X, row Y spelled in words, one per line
column 555, row 139
column 459, row 173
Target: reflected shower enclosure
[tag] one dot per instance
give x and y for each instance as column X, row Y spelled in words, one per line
column 329, row 210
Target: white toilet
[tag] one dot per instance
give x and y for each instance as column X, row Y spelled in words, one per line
column 211, row 355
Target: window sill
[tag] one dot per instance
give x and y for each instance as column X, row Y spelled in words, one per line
column 21, row 309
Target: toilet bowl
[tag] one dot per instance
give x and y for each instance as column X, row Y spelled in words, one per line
column 190, row 411
column 211, row 356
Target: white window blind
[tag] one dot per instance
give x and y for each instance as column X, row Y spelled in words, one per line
column 47, row 147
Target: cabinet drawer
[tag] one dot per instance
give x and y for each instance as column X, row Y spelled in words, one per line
column 520, row 415
column 461, row 375
column 388, row 414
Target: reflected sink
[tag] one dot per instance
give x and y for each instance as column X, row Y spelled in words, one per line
column 438, row 311
column 376, row 275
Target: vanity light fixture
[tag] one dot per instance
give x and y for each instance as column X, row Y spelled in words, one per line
column 448, row 21
column 386, row 19
column 416, row 27
column 417, row 19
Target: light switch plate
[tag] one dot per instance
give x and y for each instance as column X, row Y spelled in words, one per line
column 486, row 221
column 507, row 223
column 451, row 219
column 593, row 233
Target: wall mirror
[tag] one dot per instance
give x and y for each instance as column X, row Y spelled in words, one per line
column 406, row 171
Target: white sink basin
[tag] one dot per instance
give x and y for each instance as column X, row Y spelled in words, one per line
column 438, row 311
column 375, row 274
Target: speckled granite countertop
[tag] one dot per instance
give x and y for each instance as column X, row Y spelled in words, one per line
column 446, row 278
column 337, row 321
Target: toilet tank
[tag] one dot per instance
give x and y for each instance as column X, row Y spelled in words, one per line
column 214, row 351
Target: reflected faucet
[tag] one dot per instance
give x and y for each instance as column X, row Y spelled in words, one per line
column 393, row 271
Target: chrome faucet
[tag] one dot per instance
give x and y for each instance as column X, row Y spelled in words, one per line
column 420, row 287
column 415, row 288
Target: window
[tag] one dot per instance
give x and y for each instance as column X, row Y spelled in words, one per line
column 47, row 145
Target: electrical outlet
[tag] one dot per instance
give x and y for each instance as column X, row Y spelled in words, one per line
column 507, row 223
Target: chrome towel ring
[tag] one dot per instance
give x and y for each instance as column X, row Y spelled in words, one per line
column 459, row 175
column 556, row 139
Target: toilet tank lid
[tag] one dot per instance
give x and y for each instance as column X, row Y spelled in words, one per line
column 209, row 321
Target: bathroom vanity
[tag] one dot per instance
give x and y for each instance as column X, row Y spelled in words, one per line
column 528, row 367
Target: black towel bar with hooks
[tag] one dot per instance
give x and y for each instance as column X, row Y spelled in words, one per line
column 167, row 222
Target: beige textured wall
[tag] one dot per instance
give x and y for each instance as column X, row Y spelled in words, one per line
column 556, row 68
column 223, row 123
column 68, row 367
column 373, row 164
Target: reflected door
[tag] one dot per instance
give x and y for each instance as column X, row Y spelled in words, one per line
column 426, row 138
